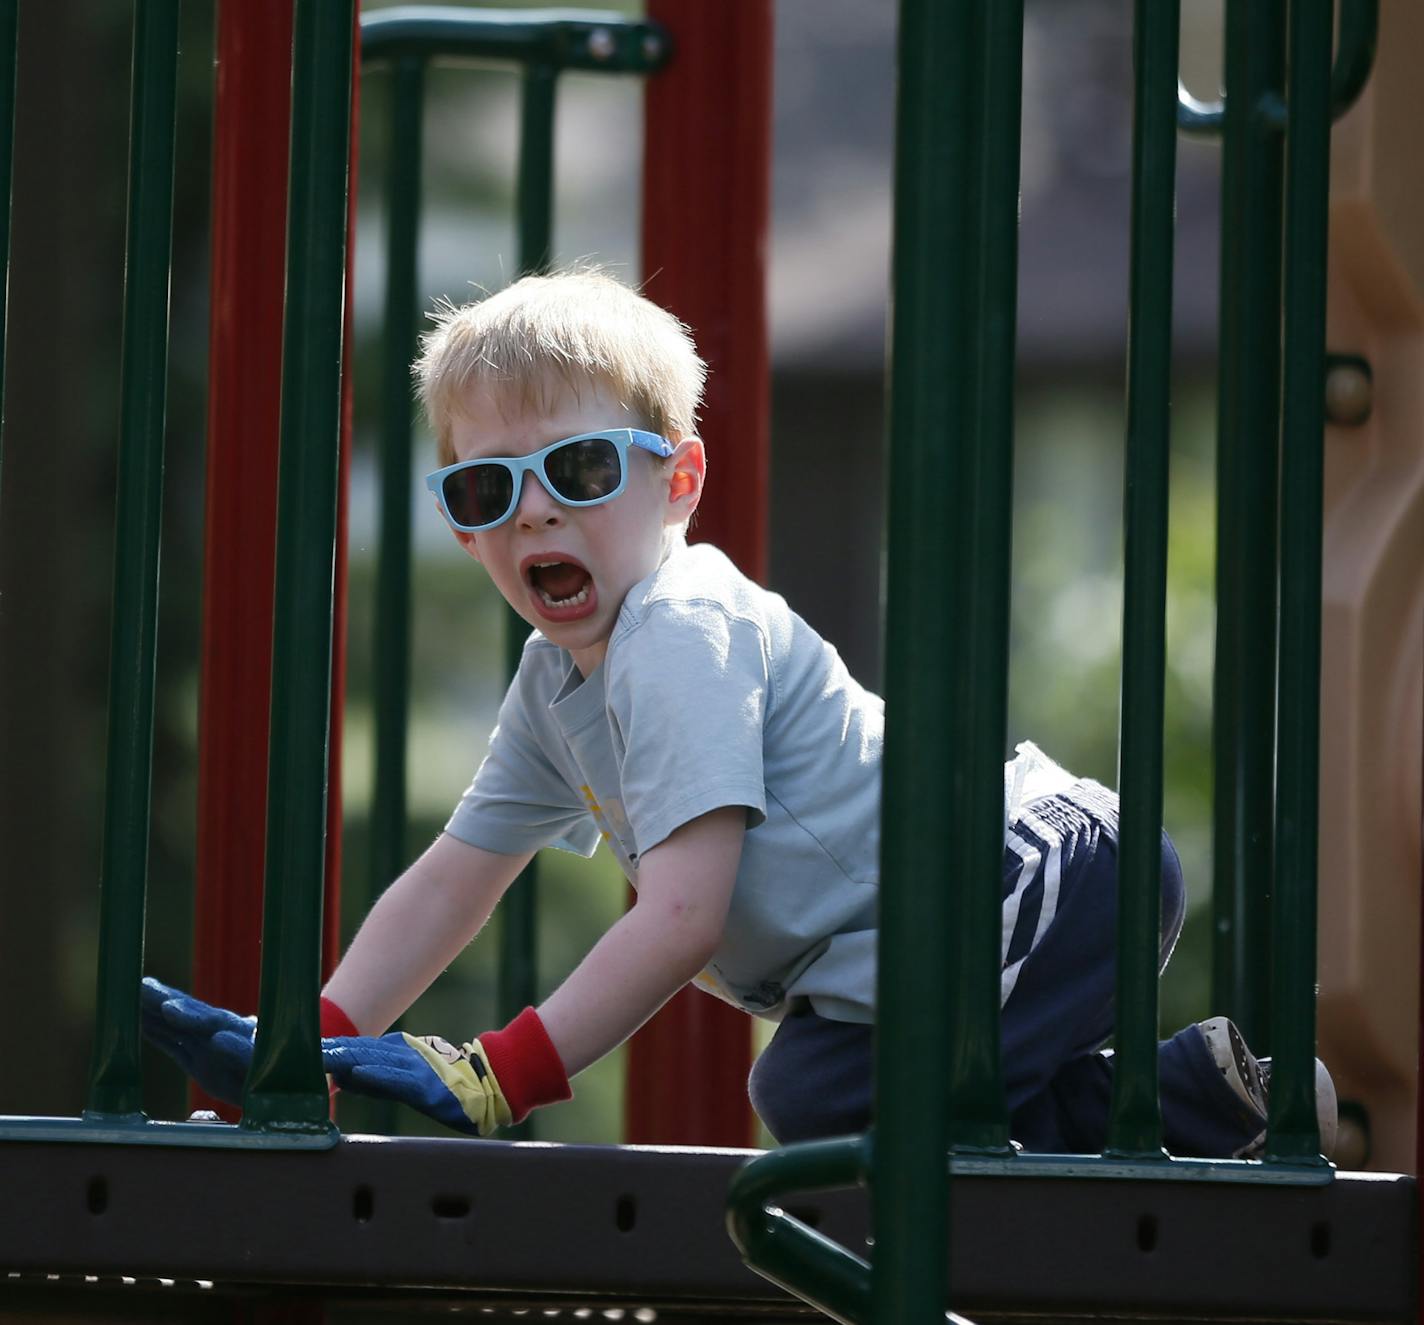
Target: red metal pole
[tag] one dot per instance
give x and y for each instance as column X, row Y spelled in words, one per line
column 706, row 204
column 250, row 152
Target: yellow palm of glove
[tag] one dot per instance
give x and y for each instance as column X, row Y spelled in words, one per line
column 467, row 1074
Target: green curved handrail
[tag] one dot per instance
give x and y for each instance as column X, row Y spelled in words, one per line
column 788, row 1252
column 1354, row 58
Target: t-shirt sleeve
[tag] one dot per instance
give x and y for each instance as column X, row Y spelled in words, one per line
column 518, row 801
column 688, row 694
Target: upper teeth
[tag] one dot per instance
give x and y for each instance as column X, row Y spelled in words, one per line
column 539, row 565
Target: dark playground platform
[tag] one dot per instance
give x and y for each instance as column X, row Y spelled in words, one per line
column 380, row 1229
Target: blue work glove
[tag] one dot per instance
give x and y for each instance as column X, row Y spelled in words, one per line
column 210, row 1044
column 455, row 1086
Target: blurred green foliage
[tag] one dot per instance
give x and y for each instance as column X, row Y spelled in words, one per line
column 1066, row 641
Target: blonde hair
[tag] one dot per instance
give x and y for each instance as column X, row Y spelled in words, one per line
column 567, row 330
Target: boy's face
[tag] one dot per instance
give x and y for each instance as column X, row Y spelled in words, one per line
column 565, row 569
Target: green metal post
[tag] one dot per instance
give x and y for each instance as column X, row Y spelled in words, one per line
column 1293, row 1131
column 391, row 646
column 1136, row 1125
column 9, row 16
column 981, row 447
column 114, row 1083
column 286, row 1089
column 942, row 818
column 1247, row 472
column 518, row 966
column 909, row 1180
column 535, row 187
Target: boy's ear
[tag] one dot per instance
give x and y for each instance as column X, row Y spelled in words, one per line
column 686, row 470
column 467, row 541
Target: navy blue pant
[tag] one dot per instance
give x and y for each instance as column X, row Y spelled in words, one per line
column 1060, row 907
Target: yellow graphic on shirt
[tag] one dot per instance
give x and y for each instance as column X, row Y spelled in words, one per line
column 708, row 982
column 595, row 809
column 609, row 817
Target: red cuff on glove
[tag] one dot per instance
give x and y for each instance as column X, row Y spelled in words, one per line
column 334, row 1021
column 526, row 1064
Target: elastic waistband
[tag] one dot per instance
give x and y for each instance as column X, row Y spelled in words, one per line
column 1085, row 796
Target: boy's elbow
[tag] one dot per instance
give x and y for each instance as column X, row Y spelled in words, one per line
column 688, row 935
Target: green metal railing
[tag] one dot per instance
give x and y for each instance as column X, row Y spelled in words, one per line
column 114, row 1085
column 286, row 1100
column 286, row 1103
column 939, row 1077
column 940, row 1089
column 542, row 45
column 1135, row 1129
column 286, row 1088
column 1249, row 119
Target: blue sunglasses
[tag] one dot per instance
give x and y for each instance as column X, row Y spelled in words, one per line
column 585, row 470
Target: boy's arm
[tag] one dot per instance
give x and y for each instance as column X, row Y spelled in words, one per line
column 684, row 890
column 417, row 928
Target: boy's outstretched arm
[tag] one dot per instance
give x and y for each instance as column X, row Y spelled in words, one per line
column 414, row 931
column 417, row 928
column 684, row 890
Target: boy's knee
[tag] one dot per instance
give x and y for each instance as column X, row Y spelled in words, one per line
column 765, row 1087
column 814, row 1079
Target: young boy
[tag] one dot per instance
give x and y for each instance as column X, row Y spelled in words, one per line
column 671, row 708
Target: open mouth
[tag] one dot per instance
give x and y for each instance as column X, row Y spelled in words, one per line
column 560, row 586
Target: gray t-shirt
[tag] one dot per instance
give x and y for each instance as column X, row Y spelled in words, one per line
column 712, row 693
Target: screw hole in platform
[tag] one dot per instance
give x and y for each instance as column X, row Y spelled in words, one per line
column 625, row 1213
column 450, row 1207
column 363, row 1205
column 1147, row 1233
column 97, row 1195
column 1320, row 1241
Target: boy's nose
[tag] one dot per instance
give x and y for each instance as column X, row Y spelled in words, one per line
column 537, row 507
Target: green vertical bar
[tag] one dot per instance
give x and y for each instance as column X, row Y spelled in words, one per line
column 518, row 982
column 983, row 445
column 114, row 1084
column 909, row 1179
column 535, row 187
column 9, row 14
column 285, row 1087
column 1293, row 1130
column 391, row 646
column 947, row 587
column 1248, row 431
column 1136, row 1124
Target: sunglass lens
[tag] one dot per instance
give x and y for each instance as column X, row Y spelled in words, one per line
column 478, row 494
column 584, row 470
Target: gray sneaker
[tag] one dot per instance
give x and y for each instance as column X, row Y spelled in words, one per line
column 1250, row 1078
